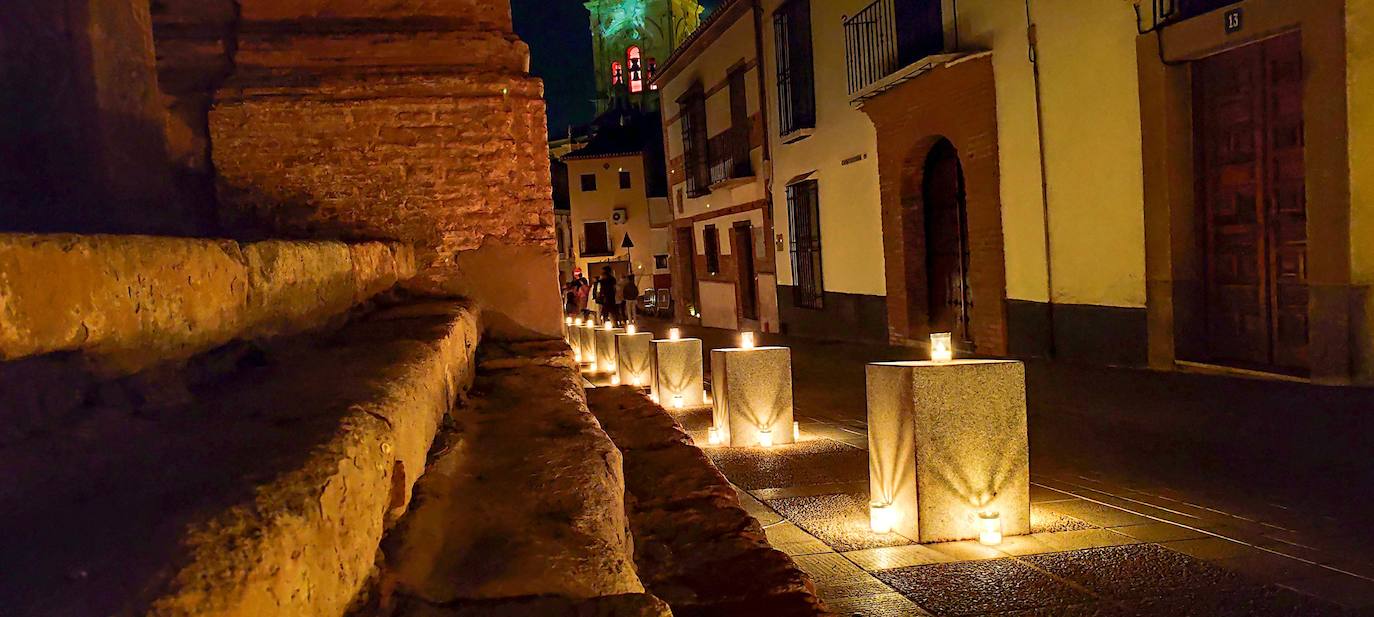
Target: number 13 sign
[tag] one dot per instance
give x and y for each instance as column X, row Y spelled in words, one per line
column 1235, row 20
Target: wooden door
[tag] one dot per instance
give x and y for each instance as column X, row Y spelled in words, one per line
column 747, row 288
column 687, row 258
column 1252, row 204
column 947, row 247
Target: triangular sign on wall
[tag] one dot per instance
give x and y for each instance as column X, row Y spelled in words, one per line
column 627, row 243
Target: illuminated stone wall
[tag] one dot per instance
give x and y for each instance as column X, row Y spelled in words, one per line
column 413, row 121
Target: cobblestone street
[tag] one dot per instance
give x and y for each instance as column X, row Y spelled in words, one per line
column 1128, row 518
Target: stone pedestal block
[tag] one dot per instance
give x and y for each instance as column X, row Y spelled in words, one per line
column 753, row 393
column 678, row 372
column 948, row 441
column 635, row 358
column 605, row 349
column 586, row 342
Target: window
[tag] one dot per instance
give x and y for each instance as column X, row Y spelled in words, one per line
column 617, row 74
column 653, row 73
column 588, row 183
column 712, row 243
column 635, row 69
column 624, row 179
column 660, row 262
column 694, row 155
column 803, row 207
column 739, row 103
column 596, row 239
column 796, row 78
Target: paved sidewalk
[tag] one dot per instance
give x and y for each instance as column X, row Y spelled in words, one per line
column 1108, row 496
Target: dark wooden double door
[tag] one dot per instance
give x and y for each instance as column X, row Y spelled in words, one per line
column 1252, row 210
column 949, row 298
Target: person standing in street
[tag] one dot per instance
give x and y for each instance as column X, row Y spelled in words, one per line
column 605, row 294
column 629, row 295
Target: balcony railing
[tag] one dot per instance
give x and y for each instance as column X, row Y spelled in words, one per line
column 888, row 35
column 729, row 155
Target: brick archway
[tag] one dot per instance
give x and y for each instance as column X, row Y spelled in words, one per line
column 955, row 103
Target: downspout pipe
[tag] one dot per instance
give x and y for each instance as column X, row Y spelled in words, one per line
column 1033, row 42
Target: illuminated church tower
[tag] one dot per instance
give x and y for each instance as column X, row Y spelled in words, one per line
column 629, row 40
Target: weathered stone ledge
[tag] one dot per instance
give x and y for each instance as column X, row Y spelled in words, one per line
column 695, row 546
column 266, row 496
column 526, row 510
column 132, row 302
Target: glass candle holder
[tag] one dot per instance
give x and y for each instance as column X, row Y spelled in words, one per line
column 796, row 431
column 942, row 347
column 882, row 517
column 567, row 321
column 989, row 528
column 615, row 380
column 714, row 434
column 766, row 438
column 674, row 334
column 610, row 325
column 631, row 329
column 746, row 340
column 678, row 402
column 578, row 321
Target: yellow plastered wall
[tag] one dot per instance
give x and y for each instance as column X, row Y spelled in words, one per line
column 850, row 206
column 999, row 26
column 1092, row 141
column 599, row 205
column 710, row 70
column 1360, row 79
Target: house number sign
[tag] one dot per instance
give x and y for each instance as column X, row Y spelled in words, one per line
column 1235, row 20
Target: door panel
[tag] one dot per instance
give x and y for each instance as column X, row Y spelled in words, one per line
column 947, row 247
column 742, row 245
column 1251, row 204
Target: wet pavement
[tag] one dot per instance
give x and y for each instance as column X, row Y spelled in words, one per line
column 1135, row 511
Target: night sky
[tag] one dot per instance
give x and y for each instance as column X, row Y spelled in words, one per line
column 561, row 46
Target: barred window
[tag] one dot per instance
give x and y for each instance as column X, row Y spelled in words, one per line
column 711, row 239
column 796, row 70
column 803, row 206
column 694, row 148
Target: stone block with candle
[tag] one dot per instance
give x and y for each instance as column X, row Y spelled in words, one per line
column 586, row 336
column 606, row 356
column 948, row 448
column 635, row 358
column 677, row 366
column 753, row 395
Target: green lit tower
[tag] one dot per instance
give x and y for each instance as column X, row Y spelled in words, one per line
column 629, row 40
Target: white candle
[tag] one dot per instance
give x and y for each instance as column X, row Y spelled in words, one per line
column 631, row 329
column 766, row 438
column 674, row 334
column 746, row 340
column 678, row 403
column 941, row 347
column 615, row 380
column 882, row 517
column 714, row 436
column 989, row 528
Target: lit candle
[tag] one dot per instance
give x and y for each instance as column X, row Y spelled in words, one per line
column 578, row 322
column 882, row 517
column 654, row 398
column 746, row 340
column 796, row 431
column 678, row 402
column 631, row 329
column 610, row 325
column 568, row 321
column 674, row 334
column 714, row 436
column 766, row 438
column 615, row 380
column 577, row 355
column 989, row 528
column 941, row 347
column 636, row 381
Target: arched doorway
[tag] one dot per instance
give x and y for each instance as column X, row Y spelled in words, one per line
column 944, row 202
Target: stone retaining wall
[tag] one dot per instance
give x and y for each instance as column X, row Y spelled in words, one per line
column 132, row 302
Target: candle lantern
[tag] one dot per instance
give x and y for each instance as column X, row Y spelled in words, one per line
column 615, row 379
column 882, row 518
column 678, row 402
column 989, row 528
column 674, row 334
column 796, row 431
column 714, row 435
column 941, row 347
column 631, row 329
column 766, row 437
column 746, row 340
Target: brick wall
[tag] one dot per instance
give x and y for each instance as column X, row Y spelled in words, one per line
column 418, row 124
column 958, row 103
